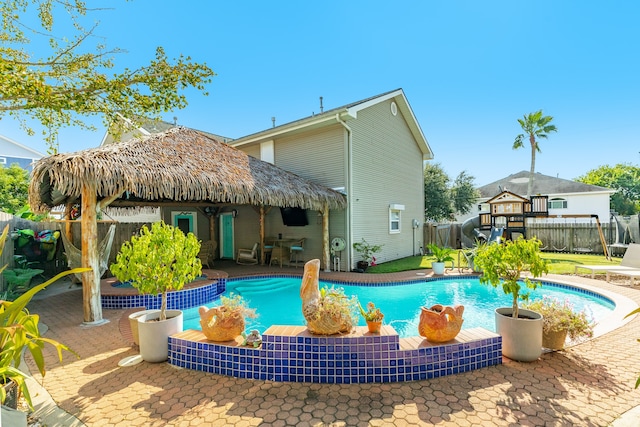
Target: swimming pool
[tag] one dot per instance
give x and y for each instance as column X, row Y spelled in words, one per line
column 277, row 301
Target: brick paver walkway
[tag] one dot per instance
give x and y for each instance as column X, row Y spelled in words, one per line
column 587, row 385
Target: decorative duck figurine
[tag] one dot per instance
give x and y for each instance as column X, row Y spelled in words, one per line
column 220, row 324
column 325, row 314
column 440, row 323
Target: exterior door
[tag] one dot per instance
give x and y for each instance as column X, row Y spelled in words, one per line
column 185, row 221
column 227, row 249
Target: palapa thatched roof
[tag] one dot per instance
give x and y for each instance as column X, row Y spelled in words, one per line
column 181, row 165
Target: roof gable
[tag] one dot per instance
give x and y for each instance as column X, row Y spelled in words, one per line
column 507, row 197
column 345, row 113
column 20, row 149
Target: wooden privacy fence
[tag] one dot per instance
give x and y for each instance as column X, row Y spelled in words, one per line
column 555, row 237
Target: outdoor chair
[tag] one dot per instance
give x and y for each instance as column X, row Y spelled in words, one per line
column 207, row 253
column 630, row 273
column 248, row 256
column 269, row 244
column 296, row 249
column 630, row 261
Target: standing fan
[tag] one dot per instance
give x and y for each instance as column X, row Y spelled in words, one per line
column 337, row 245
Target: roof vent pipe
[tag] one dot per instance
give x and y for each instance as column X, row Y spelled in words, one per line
column 273, row 122
column 321, row 107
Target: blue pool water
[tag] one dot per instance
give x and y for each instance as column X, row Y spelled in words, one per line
column 277, row 301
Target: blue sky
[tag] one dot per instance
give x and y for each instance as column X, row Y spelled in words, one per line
column 469, row 70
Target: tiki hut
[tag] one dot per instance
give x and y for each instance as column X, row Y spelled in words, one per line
column 179, row 165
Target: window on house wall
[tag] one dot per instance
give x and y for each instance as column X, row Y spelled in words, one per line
column 3, row 160
column 557, row 203
column 395, row 215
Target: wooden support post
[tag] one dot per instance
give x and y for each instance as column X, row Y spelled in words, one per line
column 326, row 254
column 603, row 241
column 92, row 304
column 261, row 219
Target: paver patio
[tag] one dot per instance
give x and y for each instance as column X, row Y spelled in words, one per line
column 590, row 384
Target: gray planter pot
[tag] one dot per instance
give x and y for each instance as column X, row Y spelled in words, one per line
column 521, row 338
column 133, row 322
column 12, row 417
column 154, row 334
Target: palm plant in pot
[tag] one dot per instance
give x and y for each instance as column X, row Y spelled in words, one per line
column 503, row 265
column 442, row 255
column 160, row 260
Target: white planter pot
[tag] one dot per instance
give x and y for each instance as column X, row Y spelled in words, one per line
column 154, row 334
column 133, row 322
column 437, row 267
column 521, row 338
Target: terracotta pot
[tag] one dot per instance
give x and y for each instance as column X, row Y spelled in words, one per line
column 373, row 326
column 440, row 323
column 554, row 340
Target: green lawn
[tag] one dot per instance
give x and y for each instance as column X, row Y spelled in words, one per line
column 559, row 263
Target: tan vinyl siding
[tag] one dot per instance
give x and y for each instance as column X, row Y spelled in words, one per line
column 387, row 169
column 253, row 151
column 317, row 156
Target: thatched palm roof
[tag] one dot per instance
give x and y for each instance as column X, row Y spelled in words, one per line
column 180, row 164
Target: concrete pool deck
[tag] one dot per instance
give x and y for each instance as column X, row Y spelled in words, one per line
column 590, row 384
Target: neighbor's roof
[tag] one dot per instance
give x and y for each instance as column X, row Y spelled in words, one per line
column 179, row 164
column 542, row 184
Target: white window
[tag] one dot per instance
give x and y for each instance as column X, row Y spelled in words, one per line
column 557, row 203
column 395, row 215
column 3, row 160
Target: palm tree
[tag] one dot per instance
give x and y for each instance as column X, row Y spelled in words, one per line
column 536, row 126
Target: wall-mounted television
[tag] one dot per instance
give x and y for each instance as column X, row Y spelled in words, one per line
column 294, row 217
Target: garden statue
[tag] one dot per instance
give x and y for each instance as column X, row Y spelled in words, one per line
column 440, row 323
column 327, row 311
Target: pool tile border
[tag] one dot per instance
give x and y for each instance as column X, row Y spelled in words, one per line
column 294, row 355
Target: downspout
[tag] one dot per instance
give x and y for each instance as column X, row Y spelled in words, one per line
column 349, row 190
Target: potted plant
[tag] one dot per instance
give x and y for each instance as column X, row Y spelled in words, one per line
column 226, row 322
column 19, row 331
column 366, row 251
column 560, row 320
column 160, row 260
column 442, row 255
column 328, row 310
column 373, row 316
column 502, row 265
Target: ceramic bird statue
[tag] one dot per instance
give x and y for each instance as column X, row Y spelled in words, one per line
column 440, row 323
column 325, row 314
column 220, row 324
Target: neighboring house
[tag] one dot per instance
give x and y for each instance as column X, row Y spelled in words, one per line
column 566, row 197
column 373, row 151
column 149, row 128
column 13, row 152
